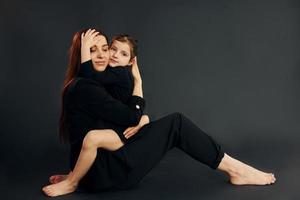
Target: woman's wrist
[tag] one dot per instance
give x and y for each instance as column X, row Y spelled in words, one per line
column 85, row 54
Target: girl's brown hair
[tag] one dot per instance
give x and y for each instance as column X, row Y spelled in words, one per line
column 130, row 41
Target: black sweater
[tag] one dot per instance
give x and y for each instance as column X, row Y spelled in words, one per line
column 118, row 81
column 89, row 105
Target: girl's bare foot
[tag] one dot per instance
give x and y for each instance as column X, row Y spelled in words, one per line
column 242, row 174
column 61, row 188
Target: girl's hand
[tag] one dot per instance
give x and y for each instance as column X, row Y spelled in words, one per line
column 135, row 70
column 133, row 130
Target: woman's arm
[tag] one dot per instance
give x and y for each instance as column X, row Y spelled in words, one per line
column 87, row 41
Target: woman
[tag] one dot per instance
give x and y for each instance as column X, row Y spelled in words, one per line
column 119, row 165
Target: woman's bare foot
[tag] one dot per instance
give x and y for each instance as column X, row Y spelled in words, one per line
column 61, row 188
column 58, row 178
column 243, row 174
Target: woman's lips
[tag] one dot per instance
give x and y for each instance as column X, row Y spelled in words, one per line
column 100, row 62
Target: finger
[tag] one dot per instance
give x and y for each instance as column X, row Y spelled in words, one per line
column 95, row 34
column 82, row 35
column 135, row 58
column 87, row 32
column 127, row 134
column 132, row 132
column 92, row 31
column 126, row 131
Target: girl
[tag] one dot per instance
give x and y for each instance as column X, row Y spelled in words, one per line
column 121, row 166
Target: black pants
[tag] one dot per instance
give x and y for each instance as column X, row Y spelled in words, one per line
column 147, row 147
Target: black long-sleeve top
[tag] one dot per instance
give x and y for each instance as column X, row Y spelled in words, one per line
column 88, row 104
column 118, row 81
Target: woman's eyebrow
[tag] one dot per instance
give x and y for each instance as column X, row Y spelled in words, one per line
column 105, row 45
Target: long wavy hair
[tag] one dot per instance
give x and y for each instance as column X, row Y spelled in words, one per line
column 73, row 67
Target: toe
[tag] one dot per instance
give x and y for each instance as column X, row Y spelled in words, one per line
column 44, row 188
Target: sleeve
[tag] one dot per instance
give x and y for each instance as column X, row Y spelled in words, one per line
column 86, row 69
column 94, row 99
column 112, row 75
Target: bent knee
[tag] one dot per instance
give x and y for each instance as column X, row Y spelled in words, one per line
column 91, row 140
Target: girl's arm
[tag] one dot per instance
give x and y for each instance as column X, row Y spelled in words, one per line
column 130, row 131
column 95, row 100
column 112, row 76
column 137, row 90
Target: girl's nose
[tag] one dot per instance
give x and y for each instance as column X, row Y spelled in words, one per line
column 114, row 54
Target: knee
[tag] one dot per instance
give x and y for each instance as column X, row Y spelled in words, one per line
column 89, row 140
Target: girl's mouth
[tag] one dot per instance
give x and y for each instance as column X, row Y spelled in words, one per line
column 113, row 61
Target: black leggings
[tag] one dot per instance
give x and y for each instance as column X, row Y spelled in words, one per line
column 147, row 147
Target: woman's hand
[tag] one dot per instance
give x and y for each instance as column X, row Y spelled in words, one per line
column 133, row 130
column 87, row 41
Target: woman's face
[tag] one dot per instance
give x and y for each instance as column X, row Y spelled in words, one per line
column 119, row 54
column 100, row 53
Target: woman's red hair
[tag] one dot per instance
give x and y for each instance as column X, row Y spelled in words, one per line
column 71, row 73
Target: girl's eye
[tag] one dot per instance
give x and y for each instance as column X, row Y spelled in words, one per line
column 105, row 50
column 125, row 54
column 92, row 49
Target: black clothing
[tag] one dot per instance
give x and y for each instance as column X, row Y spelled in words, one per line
column 118, row 81
column 88, row 106
column 129, row 164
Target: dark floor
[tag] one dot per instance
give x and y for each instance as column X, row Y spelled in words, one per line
column 178, row 176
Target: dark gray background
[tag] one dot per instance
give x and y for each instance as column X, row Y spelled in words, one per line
column 231, row 66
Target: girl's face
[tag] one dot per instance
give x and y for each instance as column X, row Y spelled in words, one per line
column 100, row 53
column 119, row 54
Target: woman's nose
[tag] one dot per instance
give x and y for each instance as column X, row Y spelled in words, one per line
column 99, row 54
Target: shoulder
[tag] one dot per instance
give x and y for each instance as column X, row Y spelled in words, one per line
column 80, row 84
column 119, row 69
column 122, row 72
